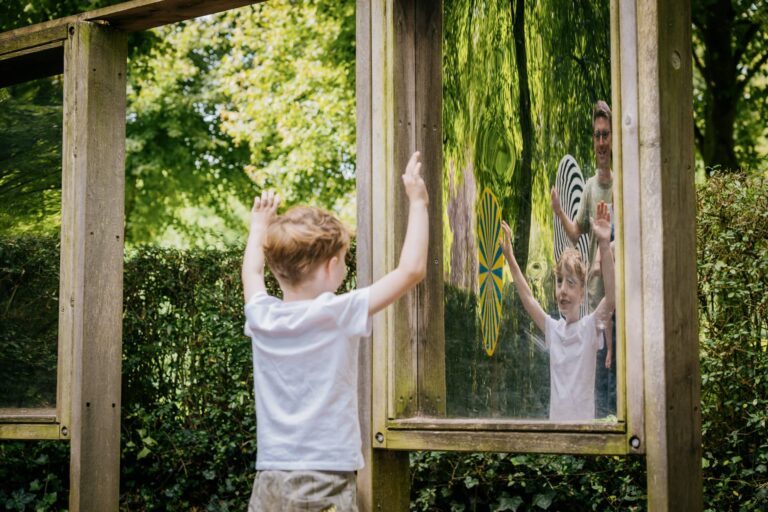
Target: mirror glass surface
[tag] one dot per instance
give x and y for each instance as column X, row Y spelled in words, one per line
column 520, row 84
column 30, row 221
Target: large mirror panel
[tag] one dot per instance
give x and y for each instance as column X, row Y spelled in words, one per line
column 527, row 141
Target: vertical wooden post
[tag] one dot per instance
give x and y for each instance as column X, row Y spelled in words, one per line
column 428, row 91
column 92, row 256
column 383, row 483
column 672, row 381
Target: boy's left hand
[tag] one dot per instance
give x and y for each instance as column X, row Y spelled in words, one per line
column 506, row 241
column 264, row 208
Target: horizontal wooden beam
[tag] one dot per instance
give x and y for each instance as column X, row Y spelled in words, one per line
column 19, row 415
column 520, row 442
column 544, row 427
column 26, row 432
column 134, row 16
column 36, row 51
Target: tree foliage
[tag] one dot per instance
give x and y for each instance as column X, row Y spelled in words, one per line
column 218, row 107
column 260, row 94
column 732, row 247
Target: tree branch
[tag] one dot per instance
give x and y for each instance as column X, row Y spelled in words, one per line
column 742, row 84
column 700, row 65
column 743, row 41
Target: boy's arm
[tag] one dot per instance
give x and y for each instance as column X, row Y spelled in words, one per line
column 263, row 211
column 412, row 267
column 601, row 227
column 572, row 229
column 530, row 303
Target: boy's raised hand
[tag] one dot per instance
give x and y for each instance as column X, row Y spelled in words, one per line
column 264, row 208
column 555, row 200
column 601, row 226
column 412, row 180
column 506, row 241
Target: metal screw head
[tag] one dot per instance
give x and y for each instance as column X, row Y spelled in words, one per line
column 634, row 442
column 379, row 437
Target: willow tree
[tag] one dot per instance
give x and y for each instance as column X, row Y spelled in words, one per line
column 519, row 82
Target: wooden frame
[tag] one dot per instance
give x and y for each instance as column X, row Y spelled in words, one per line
column 37, row 51
column 652, row 125
column 409, row 399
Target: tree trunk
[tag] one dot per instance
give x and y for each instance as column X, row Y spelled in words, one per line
column 734, row 52
column 522, row 179
column 716, row 142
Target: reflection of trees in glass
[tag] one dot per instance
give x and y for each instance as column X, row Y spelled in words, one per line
column 30, row 156
column 28, row 321
column 565, row 59
column 519, row 79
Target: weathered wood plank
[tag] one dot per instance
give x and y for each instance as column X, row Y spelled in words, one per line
column 27, row 432
column 428, row 90
column 130, row 16
column 32, row 55
column 28, row 38
column 630, row 326
column 18, row 66
column 520, row 442
column 92, row 257
column 382, row 230
column 24, row 415
column 502, row 425
column 672, row 380
column 404, row 355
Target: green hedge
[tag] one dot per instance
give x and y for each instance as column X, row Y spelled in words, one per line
column 188, row 439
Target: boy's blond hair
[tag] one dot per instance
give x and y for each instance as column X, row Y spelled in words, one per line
column 571, row 261
column 301, row 239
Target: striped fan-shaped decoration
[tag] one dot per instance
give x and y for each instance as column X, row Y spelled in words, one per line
column 491, row 263
column 569, row 184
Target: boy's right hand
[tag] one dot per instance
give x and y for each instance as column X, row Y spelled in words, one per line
column 555, row 199
column 264, row 208
column 413, row 182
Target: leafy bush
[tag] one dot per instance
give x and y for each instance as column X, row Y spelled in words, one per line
column 732, row 247
column 500, row 481
column 188, row 420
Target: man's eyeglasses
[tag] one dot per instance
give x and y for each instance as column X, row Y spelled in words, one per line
column 602, row 135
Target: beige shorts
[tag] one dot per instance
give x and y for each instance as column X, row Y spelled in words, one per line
column 294, row 491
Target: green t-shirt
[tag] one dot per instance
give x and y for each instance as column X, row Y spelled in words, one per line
column 594, row 192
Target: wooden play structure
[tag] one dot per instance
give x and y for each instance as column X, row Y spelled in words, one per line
column 402, row 377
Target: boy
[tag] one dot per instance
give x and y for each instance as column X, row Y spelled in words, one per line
column 305, row 347
column 572, row 342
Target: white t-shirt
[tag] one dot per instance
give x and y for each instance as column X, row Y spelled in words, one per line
column 572, row 355
column 305, row 380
